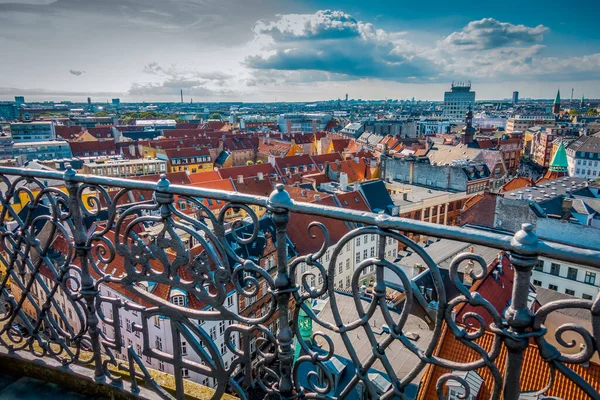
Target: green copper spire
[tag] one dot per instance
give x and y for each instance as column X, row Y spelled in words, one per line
column 557, row 99
column 559, row 161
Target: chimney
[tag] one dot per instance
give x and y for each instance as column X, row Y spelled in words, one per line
column 567, row 206
column 405, row 196
column 260, row 176
column 467, row 279
column 240, row 178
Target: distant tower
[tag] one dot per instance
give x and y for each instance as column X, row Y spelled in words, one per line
column 181, row 92
column 582, row 102
column 469, row 130
column 346, row 98
column 556, row 105
column 572, row 90
column 515, row 98
column 90, row 103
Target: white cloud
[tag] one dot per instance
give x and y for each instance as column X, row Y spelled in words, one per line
column 489, row 33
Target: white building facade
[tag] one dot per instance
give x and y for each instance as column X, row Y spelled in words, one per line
column 572, row 279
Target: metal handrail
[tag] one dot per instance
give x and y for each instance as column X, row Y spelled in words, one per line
column 85, row 266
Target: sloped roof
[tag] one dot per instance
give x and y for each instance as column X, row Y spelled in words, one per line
column 559, row 162
column 247, row 170
column 204, row 176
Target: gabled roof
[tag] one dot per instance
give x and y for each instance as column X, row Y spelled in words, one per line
column 254, row 186
column 353, row 201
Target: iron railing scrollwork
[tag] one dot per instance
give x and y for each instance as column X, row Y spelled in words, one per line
column 83, row 283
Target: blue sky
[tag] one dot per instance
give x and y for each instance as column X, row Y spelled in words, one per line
column 274, row 50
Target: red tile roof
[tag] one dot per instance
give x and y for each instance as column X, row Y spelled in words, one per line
column 299, row 234
column 187, row 152
column 353, row 201
column 517, row 183
column 247, row 171
column 355, row 171
column 253, row 186
column 107, row 147
column 186, row 125
column 176, row 178
column 68, row 132
column 205, row 176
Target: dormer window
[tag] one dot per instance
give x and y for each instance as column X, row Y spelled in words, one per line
column 178, row 300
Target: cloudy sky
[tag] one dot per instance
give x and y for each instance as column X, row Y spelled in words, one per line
column 284, row 50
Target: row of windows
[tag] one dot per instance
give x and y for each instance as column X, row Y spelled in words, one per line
column 555, row 269
column 585, row 162
column 570, row 292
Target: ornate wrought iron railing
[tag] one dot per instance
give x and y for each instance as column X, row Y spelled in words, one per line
column 72, row 246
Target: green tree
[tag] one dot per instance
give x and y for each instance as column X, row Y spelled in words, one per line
column 101, row 114
column 573, row 112
column 592, row 111
column 214, row 115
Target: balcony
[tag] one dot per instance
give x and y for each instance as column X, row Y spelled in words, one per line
column 98, row 274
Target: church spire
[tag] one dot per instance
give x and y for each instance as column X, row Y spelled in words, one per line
column 556, row 105
column 559, row 161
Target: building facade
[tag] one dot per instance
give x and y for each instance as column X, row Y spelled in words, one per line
column 32, row 131
column 571, row 279
column 583, row 156
column 458, row 101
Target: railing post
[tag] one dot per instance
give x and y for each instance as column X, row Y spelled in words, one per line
column 279, row 201
column 518, row 316
column 88, row 289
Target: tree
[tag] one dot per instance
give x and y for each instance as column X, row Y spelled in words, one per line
column 573, row 112
column 101, row 114
column 592, row 111
column 214, row 115
column 249, row 162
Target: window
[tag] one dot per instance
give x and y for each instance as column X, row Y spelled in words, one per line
column 178, row 300
column 539, row 266
column 157, row 321
column 358, row 241
column 127, row 325
column 358, row 256
column 161, row 366
column 372, row 251
column 185, row 372
column 183, row 348
column 341, row 267
column 158, row 343
column 347, row 281
column 572, row 273
column 570, row 292
column 552, row 287
column 555, row 269
column 213, row 333
column 347, row 264
column 590, row 277
column 230, row 301
column 365, row 253
column 537, row 283
column 221, row 327
column 586, row 296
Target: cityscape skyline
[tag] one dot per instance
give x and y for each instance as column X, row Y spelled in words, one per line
column 307, row 51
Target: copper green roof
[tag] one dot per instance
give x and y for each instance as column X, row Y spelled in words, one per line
column 557, row 99
column 559, row 161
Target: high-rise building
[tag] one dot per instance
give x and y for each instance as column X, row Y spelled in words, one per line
column 19, row 100
column 116, row 102
column 458, row 101
column 515, row 98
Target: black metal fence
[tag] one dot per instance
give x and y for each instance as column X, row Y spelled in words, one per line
column 72, row 245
